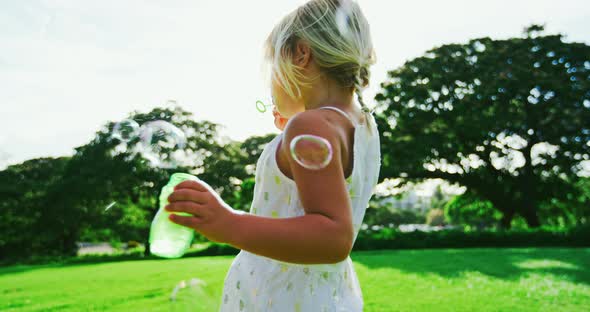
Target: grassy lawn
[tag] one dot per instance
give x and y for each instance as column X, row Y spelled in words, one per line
column 534, row 279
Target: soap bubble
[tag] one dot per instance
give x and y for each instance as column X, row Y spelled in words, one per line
column 192, row 295
column 343, row 15
column 311, row 151
column 4, row 158
column 161, row 143
column 110, row 206
column 261, row 107
column 125, row 130
column 171, row 104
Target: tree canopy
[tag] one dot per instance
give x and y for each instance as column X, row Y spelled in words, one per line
column 508, row 119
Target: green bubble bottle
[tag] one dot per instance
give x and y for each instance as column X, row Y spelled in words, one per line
column 168, row 239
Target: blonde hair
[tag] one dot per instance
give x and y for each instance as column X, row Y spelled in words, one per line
column 340, row 42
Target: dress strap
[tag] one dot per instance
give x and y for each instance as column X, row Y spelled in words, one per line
column 341, row 112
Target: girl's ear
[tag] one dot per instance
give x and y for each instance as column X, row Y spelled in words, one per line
column 302, row 54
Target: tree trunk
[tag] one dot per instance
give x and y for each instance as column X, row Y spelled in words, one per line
column 69, row 247
column 504, row 206
column 528, row 208
column 529, row 214
column 528, row 202
column 146, row 251
column 506, row 221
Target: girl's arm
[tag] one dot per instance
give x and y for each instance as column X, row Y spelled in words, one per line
column 325, row 233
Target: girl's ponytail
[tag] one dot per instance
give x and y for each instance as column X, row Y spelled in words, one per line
column 361, row 81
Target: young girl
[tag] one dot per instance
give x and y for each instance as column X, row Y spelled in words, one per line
column 296, row 240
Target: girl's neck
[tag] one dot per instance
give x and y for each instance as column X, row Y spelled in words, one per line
column 327, row 92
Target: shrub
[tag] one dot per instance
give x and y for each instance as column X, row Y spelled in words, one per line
column 384, row 238
column 469, row 210
column 133, row 244
column 388, row 238
column 382, row 215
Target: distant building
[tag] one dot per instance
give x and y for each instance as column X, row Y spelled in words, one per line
column 420, row 198
column 410, row 200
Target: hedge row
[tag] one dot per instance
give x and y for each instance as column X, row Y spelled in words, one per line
column 387, row 238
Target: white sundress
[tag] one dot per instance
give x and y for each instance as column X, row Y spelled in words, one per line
column 258, row 283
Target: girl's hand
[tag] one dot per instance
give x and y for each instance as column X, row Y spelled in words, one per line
column 280, row 121
column 211, row 216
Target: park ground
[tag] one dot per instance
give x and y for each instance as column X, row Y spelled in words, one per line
column 479, row 279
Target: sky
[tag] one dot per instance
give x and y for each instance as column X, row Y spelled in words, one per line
column 69, row 67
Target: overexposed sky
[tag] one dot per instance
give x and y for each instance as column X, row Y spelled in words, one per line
column 68, row 67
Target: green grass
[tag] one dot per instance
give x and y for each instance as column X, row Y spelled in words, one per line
column 534, row 279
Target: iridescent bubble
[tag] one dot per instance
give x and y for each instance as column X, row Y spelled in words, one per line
column 4, row 158
column 170, row 104
column 161, row 143
column 192, row 295
column 342, row 16
column 110, row 206
column 261, row 107
column 125, row 130
column 311, row 151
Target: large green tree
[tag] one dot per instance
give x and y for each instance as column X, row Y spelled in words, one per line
column 23, row 188
column 47, row 204
column 508, row 119
column 108, row 170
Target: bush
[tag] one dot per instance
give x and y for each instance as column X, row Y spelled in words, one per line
column 384, row 238
column 389, row 238
column 215, row 249
column 133, row 244
column 381, row 215
column 469, row 210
